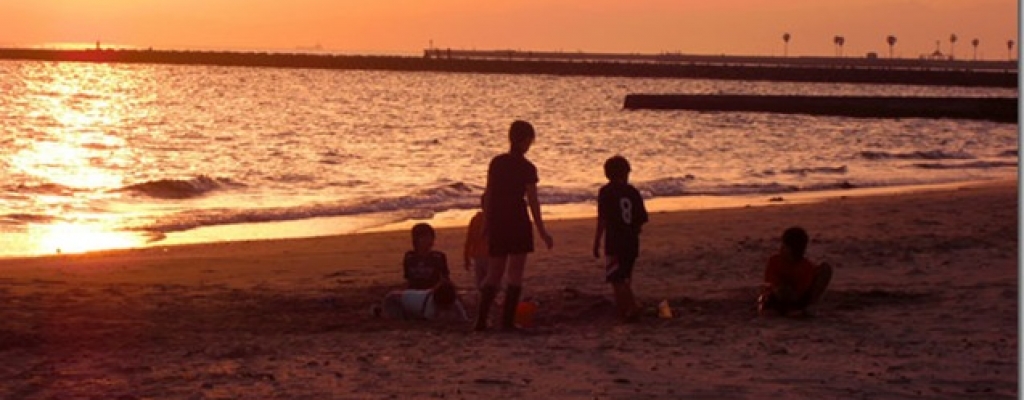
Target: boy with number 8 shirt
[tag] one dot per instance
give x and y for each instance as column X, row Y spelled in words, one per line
column 620, row 215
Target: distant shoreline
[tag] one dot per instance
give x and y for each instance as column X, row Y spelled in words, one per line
column 1002, row 74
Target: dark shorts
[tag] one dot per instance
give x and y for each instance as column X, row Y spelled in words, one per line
column 619, row 269
column 511, row 236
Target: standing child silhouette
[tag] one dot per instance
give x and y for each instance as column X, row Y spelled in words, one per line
column 620, row 215
column 511, row 187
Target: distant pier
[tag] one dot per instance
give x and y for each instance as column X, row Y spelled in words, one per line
column 793, row 69
column 998, row 109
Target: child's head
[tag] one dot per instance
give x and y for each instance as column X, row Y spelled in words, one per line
column 422, row 237
column 444, row 294
column 617, row 169
column 794, row 242
column 520, row 136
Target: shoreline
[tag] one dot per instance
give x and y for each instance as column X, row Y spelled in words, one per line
column 456, row 219
column 924, row 303
column 341, row 226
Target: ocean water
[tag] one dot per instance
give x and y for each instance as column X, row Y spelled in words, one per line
column 104, row 156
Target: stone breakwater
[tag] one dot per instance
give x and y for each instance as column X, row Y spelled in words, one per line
column 998, row 109
column 820, row 69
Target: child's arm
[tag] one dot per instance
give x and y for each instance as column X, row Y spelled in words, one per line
column 772, row 279
column 597, row 236
column 487, row 209
column 445, row 273
column 469, row 240
column 641, row 214
column 405, row 269
column 531, row 197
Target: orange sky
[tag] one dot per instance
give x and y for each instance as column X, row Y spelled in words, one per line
column 749, row 27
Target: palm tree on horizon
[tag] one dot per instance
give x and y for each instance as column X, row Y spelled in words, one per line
column 839, row 41
column 1009, row 49
column 891, row 40
column 785, row 46
column 975, row 43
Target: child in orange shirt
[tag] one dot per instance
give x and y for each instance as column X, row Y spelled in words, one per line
column 791, row 281
column 475, row 252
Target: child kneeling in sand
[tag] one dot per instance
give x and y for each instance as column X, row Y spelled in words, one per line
column 791, row 281
column 439, row 303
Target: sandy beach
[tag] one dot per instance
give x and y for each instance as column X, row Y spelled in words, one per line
column 923, row 304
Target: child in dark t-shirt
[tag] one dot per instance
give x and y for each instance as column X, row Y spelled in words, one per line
column 424, row 267
column 620, row 215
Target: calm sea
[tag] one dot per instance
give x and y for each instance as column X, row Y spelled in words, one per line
column 101, row 156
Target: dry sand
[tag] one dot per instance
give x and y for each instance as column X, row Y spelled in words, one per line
column 923, row 305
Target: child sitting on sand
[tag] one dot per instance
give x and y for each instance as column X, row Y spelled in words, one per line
column 791, row 281
column 423, row 267
column 620, row 215
column 430, row 293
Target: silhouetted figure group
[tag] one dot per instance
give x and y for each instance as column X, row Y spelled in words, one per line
column 500, row 236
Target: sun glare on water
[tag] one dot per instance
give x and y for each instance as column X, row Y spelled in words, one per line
column 80, row 238
column 80, row 157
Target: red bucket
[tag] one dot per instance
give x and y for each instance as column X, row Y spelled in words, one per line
column 525, row 312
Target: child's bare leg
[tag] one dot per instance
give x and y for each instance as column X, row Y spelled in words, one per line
column 516, row 267
column 625, row 302
column 480, row 272
column 495, row 271
column 489, row 290
column 392, row 305
column 782, row 299
column 817, row 291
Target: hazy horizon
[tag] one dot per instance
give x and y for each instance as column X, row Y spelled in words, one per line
column 732, row 27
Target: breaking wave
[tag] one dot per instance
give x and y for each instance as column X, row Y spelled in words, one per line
column 179, row 188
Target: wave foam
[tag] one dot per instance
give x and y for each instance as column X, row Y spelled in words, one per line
column 916, row 155
column 968, row 165
column 45, row 188
column 22, row 218
column 421, row 204
column 425, row 203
